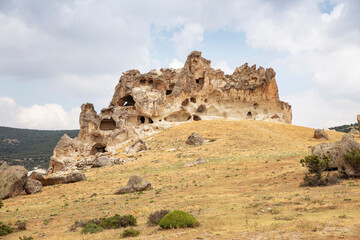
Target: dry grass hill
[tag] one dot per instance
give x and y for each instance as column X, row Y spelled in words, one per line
column 247, row 189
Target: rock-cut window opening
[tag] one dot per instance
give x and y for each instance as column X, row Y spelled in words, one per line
column 200, row 81
column 171, row 88
column 107, row 124
column 193, row 100
column 126, row 101
column 142, row 119
column 98, row 148
column 249, row 114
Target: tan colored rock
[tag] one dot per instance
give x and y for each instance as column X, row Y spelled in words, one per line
column 135, row 184
column 143, row 104
column 137, row 146
column 195, row 139
column 32, row 186
column 320, row 134
column 58, row 178
column 195, row 163
column 12, row 181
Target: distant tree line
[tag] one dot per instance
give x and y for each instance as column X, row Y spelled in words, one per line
column 345, row 128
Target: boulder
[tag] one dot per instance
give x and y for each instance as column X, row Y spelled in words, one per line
column 32, row 186
column 12, row 181
column 137, row 146
column 102, row 161
column 335, row 151
column 58, row 178
column 197, row 162
column 195, row 139
column 135, row 184
column 320, row 134
column 358, row 120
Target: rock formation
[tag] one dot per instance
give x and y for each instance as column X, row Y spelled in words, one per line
column 135, row 184
column 195, row 139
column 320, row 133
column 58, row 178
column 12, row 180
column 358, row 119
column 32, row 186
column 146, row 103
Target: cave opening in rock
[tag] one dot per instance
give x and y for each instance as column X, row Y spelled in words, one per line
column 168, row 92
column 180, row 116
column 249, row 114
column 171, row 88
column 151, row 121
column 142, row 82
column 128, row 100
column 200, row 82
column 151, row 83
column 256, row 105
column 185, row 102
column 142, row 119
column 196, row 118
column 193, row 100
column 107, row 124
column 201, row 108
column 98, row 148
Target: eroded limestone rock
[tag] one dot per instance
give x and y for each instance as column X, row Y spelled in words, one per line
column 195, row 139
column 146, row 103
column 58, row 178
column 32, row 186
column 12, row 180
column 135, row 184
column 320, row 134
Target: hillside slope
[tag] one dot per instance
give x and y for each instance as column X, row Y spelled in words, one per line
column 248, row 188
column 29, row 148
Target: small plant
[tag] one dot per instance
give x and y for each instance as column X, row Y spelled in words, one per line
column 316, row 166
column 155, row 217
column 178, row 219
column 91, row 228
column 131, row 232
column 21, row 225
column 26, row 238
column 353, row 158
column 117, row 221
column 1, row 203
column 5, row 229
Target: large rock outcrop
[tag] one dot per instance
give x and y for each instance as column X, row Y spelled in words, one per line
column 12, row 180
column 146, row 103
column 336, row 151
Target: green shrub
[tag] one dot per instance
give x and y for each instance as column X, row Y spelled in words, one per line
column 131, row 232
column 26, row 238
column 117, row 221
column 178, row 219
column 5, row 229
column 155, row 217
column 353, row 158
column 91, row 228
column 1, row 203
column 316, row 166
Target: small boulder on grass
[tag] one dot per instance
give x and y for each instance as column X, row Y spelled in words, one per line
column 178, row 219
column 135, row 184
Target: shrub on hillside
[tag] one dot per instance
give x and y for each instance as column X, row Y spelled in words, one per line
column 316, row 166
column 91, row 228
column 131, row 232
column 117, row 221
column 155, row 217
column 353, row 159
column 5, row 229
column 178, row 219
column 26, row 238
column 1, row 203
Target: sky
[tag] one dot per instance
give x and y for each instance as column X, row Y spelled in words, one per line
column 56, row 55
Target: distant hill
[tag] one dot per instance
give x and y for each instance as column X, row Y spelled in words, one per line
column 345, row 128
column 30, row 148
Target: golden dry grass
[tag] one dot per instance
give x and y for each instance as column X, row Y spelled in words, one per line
column 247, row 189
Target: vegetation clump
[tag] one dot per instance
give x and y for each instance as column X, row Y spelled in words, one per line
column 155, row 217
column 1, row 203
column 21, row 225
column 178, row 219
column 5, row 229
column 131, row 232
column 97, row 225
column 26, row 238
column 91, row 228
column 316, row 166
column 353, row 159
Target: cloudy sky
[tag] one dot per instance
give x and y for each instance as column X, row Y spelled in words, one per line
column 56, row 55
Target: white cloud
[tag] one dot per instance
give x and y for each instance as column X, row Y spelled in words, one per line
column 48, row 116
column 223, row 66
column 187, row 38
column 175, row 63
column 335, row 13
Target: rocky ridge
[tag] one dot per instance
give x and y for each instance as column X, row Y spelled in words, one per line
column 147, row 103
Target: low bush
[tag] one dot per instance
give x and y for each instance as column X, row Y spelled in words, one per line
column 316, row 166
column 353, row 159
column 155, row 217
column 26, row 238
column 131, row 232
column 91, row 228
column 118, row 221
column 5, row 229
column 1, row 203
column 178, row 219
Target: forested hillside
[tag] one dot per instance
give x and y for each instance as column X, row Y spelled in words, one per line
column 30, row 148
column 345, row 128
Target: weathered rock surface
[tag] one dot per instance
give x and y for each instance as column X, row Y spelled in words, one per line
column 102, row 161
column 4, row 166
column 358, row 119
column 32, row 186
column 135, row 184
column 58, row 178
column 147, row 103
column 335, row 151
column 320, row 134
column 194, row 163
column 137, row 146
column 12, row 180
column 195, row 139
